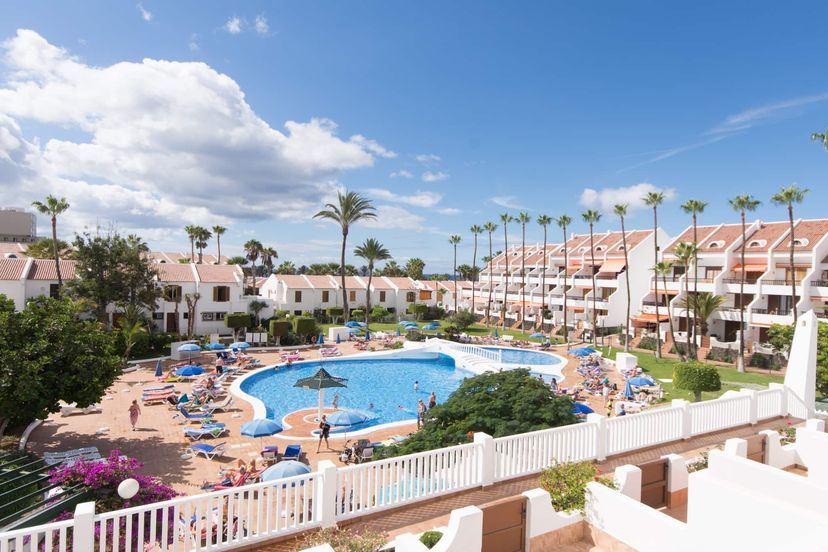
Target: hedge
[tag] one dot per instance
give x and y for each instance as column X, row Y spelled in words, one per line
column 238, row 320
column 696, row 377
column 279, row 328
column 305, row 326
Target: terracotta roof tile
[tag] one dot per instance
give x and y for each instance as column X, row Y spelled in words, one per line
column 767, row 233
column 728, row 233
column 402, row 282
column 12, row 269
column 218, row 274
column 168, row 272
column 702, row 232
column 811, row 230
column 43, row 269
column 7, row 249
column 294, row 281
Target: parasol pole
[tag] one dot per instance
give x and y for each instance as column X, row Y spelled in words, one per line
column 321, row 403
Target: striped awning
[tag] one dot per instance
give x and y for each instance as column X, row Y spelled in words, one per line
column 751, row 267
column 613, row 266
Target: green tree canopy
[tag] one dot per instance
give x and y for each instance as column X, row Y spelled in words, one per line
column 780, row 336
column 44, row 249
column 696, row 377
column 49, row 353
column 503, row 403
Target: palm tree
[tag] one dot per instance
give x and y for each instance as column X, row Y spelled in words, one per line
column 544, row 222
column 694, row 207
column 476, row 230
column 704, row 304
column 256, row 307
column 591, row 217
column 269, row 254
column 505, row 218
column 253, row 249
column 349, row 209
column 685, row 253
column 820, row 137
column 663, row 269
column 788, row 196
column 654, row 199
column 53, row 207
column 218, row 231
column 191, row 230
column 563, row 221
column 490, row 227
column 372, row 251
column 131, row 327
column 202, row 235
column 621, row 211
column 742, row 204
column 523, row 218
column 45, row 249
column 454, row 240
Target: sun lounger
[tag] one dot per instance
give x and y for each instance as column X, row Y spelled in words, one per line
column 188, row 416
column 210, row 430
column 329, row 351
column 292, row 452
column 72, row 409
column 87, row 453
column 216, row 406
column 209, row 451
column 156, row 399
column 158, row 388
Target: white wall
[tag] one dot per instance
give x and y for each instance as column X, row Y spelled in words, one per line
column 16, row 291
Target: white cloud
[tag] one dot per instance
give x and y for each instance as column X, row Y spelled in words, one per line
column 402, row 173
column 391, row 217
column 750, row 117
column 373, row 146
column 419, row 199
column 233, row 25
column 260, row 24
column 633, row 196
column 429, row 176
column 146, row 15
column 193, row 44
column 158, row 143
column 666, row 154
column 510, row 202
column 427, row 158
column 449, row 211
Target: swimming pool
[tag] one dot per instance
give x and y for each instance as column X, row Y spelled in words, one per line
column 527, row 357
column 388, row 383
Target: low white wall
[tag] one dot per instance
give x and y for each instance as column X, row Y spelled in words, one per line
column 812, row 449
column 541, row 518
column 463, row 534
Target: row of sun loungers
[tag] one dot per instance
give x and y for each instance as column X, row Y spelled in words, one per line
column 71, row 456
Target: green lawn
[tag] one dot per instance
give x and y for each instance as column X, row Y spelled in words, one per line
column 475, row 330
column 663, row 369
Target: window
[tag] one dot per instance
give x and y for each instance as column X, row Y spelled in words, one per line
column 221, row 294
column 410, row 297
column 158, row 316
column 207, row 317
column 297, row 296
column 716, row 244
column 172, row 293
column 54, row 291
column 351, row 296
column 382, row 297
column 758, row 243
column 800, row 242
column 220, row 316
column 186, row 315
column 326, row 296
column 600, row 247
column 297, row 312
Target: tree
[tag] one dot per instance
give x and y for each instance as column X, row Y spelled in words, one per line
column 253, row 249
column 53, row 207
column 392, row 269
column 505, row 219
column 463, row 320
column 821, row 137
column 202, row 235
column 591, row 217
column 192, row 301
column 621, row 210
column 414, row 268
column 695, row 207
column 742, row 204
column 499, row 404
column 703, row 304
column 256, row 307
column 97, row 258
column 780, row 337
column 132, row 326
column 563, row 221
column 51, row 353
column 349, row 209
column 237, row 260
column 654, row 199
column 218, row 232
column 286, row 267
column 468, row 272
column 696, row 377
column 45, row 249
column 544, row 221
column 192, row 233
column 237, row 321
column 523, row 218
column 662, row 269
column 268, row 256
column 788, row 196
column 372, row 251
column 454, row 241
column 279, row 329
column 490, row 227
column 685, row 253
column 475, row 230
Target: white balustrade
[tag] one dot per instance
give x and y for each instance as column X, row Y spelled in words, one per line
column 653, row 427
column 532, row 452
column 710, row 416
column 488, row 354
column 768, row 403
column 389, row 483
column 51, row 537
column 796, row 407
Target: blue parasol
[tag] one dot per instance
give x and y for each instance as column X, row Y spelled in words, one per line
column 628, row 392
column 189, row 371
column 496, row 334
column 350, row 416
column 367, row 335
column 338, row 339
column 189, row 348
column 262, row 427
column 641, row 381
column 431, row 327
column 537, row 335
column 214, row 346
column 354, row 330
column 580, row 408
column 362, row 324
column 582, row 351
column 283, row 469
column 321, row 340
column 352, row 324
column 158, row 371
column 240, row 345
column 398, row 332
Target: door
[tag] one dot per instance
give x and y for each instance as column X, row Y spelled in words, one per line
column 172, row 323
column 731, row 327
column 654, row 483
column 756, row 448
column 504, row 525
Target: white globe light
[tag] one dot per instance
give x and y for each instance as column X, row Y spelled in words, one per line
column 128, row 488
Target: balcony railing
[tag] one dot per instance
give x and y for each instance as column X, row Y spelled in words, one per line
column 819, row 283
column 822, row 314
column 776, row 312
column 583, row 276
column 778, row 282
column 738, row 280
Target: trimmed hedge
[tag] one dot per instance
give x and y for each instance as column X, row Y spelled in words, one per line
column 720, row 354
column 304, row 326
column 238, row 320
column 279, row 328
column 649, row 343
column 696, row 377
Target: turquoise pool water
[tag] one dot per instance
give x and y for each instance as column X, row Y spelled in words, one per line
column 387, row 383
column 526, row 357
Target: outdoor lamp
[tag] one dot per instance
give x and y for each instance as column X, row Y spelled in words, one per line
column 128, row 488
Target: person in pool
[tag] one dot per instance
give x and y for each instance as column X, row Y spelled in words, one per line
column 324, row 431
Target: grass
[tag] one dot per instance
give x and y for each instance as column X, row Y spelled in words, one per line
column 478, row 330
column 663, row 369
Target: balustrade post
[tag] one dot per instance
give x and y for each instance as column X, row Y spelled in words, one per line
column 488, row 457
column 83, row 533
column 600, row 435
column 686, row 417
column 783, row 401
column 754, row 404
column 326, row 493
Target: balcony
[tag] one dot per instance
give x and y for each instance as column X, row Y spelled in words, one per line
column 583, row 276
column 776, row 312
column 739, row 281
column 778, row 283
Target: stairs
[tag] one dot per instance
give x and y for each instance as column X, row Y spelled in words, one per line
column 517, row 324
column 701, row 352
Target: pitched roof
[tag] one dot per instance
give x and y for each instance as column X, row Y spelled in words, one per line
column 43, row 269
column 11, row 250
column 352, row 282
column 296, row 281
column 811, row 230
column 402, row 282
column 12, row 269
column 219, row 274
column 728, row 233
column 175, row 272
column 702, row 232
column 768, row 233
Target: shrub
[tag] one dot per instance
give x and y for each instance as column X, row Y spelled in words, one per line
column 279, row 329
column 290, row 340
column 345, row 540
column 417, row 309
column 305, row 326
column 358, row 313
column 335, row 313
column 280, row 314
column 649, row 343
column 696, row 377
column 566, row 484
column 430, row 538
column 679, row 349
column 415, row 335
column 237, row 321
column 720, row 354
column 761, row 360
column 378, row 312
column 463, row 319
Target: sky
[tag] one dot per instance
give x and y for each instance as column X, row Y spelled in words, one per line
column 154, row 115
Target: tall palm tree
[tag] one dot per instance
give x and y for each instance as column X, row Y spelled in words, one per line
column 372, row 251
column 523, row 217
column 218, row 232
column 476, row 230
column 663, row 269
column 253, row 249
column 821, row 137
column 544, row 221
column 202, row 235
column 563, row 221
column 621, row 211
column 505, row 218
column 269, row 254
column 654, row 199
column 694, row 207
column 490, row 227
column 53, row 207
column 454, row 241
column 192, row 231
column 788, row 196
column 591, row 217
column 349, row 209
column 685, row 253
column 704, row 304
column 742, row 204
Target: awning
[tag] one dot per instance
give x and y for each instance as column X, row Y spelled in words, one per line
column 650, row 317
column 613, row 266
column 575, row 309
column 574, row 263
column 662, row 291
column 754, row 267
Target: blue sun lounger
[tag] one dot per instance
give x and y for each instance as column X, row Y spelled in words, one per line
column 209, row 451
column 209, row 430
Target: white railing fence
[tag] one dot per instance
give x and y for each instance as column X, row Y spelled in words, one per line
column 489, row 354
column 243, row 516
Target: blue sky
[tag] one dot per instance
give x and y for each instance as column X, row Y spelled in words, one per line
column 476, row 108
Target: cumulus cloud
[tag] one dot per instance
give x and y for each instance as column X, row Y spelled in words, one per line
column 260, row 24
column 427, row 158
column 390, row 217
column 606, row 198
column 146, row 15
column 160, row 143
column 419, row 199
column 373, row 146
column 402, row 173
column 233, row 25
column 430, row 176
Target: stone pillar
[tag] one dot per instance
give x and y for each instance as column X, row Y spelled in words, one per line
column 487, row 457
column 629, row 481
column 326, row 493
column 600, row 435
column 677, row 480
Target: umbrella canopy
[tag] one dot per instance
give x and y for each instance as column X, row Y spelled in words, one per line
column 321, row 380
column 431, row 327
column 640, row 381
column 628, row 392
column 350, row 416
column 189, row 371
column 537, row 335
column 262, row 427
column 352, row 324
column 240, row 345
column 582, row 351
column 214, row 346
column 580, row 408
column 354, row 330
column 435, row 322
column 367, row 335
column 496, row 334
column 362, row 324
column 158, row 371
column 283, row 469
column 189, row 348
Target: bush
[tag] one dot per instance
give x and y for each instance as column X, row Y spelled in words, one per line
column 417, row 309
column 435, row 313
column 357, row 313
column 378, row 313
column 720, row 354
column 649, row 343
column 415, row 335
column 237, row 321
column 761, row 360
column 279, row 329
column 679, row 349
column 335, row 313
column 430, row 538
column 345, row 540
column 566, row 484
column 305, row 326
column 290, row 340
column 463, row 319
column 280, row 314
column 696, row 377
